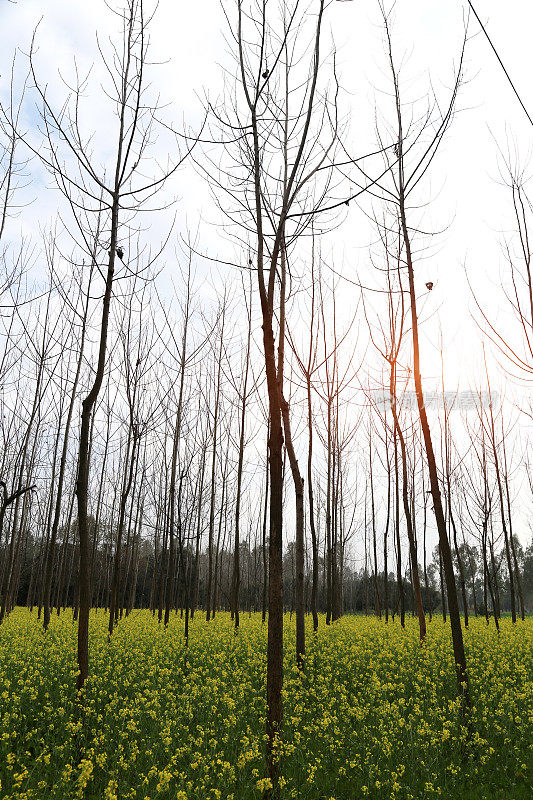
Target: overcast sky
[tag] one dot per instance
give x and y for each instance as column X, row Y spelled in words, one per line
column 467, row 198
column 465, row 191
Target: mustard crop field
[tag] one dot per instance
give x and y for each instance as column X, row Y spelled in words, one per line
column 374, row 716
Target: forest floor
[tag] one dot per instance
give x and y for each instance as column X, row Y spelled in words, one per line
column 375, row 715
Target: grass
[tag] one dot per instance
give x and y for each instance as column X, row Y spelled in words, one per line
column 375, row 715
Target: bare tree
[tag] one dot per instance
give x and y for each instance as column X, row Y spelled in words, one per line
column 114, row 200
column 409, row 162
column 243, row 398
column 276, row 195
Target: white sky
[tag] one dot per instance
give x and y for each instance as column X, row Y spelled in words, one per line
column 465, row 189
column 464, row 185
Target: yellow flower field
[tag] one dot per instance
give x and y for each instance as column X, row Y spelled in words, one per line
column 375, row 715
